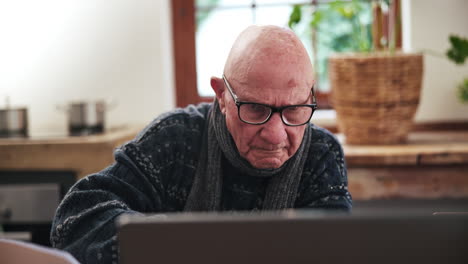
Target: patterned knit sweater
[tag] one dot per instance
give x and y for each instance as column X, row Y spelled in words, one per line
column 154, row 173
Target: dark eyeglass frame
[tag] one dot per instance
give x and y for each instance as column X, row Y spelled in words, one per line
column 273, row 109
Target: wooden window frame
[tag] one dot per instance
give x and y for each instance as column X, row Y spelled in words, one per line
column 183, row 34
column 185, row 72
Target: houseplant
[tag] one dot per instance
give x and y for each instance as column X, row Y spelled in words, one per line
column 458, row 53
column 375, row 88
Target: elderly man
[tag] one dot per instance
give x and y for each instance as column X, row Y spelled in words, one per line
column 252, row 149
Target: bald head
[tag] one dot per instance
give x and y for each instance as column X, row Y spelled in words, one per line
column 267, row 65
column 257, row 46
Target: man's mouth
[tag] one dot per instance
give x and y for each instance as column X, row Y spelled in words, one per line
column 270, row 150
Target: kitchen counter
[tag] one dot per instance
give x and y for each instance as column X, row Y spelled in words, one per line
column 431, row 165
column 81, row 154
column 422, row 148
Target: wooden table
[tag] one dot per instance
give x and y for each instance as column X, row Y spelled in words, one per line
column 430, row 165
column 81, row 154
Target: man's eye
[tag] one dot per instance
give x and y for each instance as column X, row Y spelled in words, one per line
column 256, row 108
column 293, row 109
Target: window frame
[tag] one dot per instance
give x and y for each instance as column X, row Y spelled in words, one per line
column 183, row 34
column 185, row 72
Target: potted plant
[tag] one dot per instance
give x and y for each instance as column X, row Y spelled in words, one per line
column 375, row 88
column 458, row 53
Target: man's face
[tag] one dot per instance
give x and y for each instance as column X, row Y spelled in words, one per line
column 271, row 144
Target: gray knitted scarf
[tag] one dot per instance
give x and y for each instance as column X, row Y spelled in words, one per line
column 205, row 194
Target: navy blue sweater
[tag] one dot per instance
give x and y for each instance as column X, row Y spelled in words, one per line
column 154, row 173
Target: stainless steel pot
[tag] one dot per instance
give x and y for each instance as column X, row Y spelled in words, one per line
column 14, row 122
column 86, row 118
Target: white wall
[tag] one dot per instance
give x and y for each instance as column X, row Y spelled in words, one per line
column 56, row 51
column 430, row 23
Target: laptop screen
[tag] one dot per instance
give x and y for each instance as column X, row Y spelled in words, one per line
column 294, row 237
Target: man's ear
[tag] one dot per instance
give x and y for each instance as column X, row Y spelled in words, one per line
column 218, row 87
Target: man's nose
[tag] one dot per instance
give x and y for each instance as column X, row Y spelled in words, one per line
column 274, row 130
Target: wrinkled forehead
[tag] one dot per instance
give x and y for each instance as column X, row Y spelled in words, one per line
column 265, row 43
column 277, row 90
column 269, row 59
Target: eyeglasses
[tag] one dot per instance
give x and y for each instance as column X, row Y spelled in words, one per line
column 258, row 114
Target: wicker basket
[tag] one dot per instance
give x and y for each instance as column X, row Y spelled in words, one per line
column 375, row 95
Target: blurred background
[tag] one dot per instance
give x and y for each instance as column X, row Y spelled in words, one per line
column 107, row 68
column 54, row 52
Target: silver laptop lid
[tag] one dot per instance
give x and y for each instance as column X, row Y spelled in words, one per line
column 293, row 237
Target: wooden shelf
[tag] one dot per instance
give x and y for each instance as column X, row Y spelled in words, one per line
column 82, row 154
column 422, row 148
column 431, row 165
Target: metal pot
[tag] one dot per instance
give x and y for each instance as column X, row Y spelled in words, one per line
column 86, row 118
column 14, row 122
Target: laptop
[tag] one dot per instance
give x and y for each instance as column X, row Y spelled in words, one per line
column 294, row 237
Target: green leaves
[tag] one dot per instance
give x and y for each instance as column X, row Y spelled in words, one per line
column 463, row 91
column 353, row 32
column 458, row 52
column 317, row 17
column 348, row 10
column 295, row 16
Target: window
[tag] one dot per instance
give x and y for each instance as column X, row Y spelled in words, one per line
column 204, row 31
